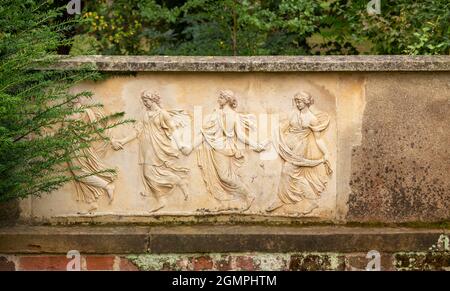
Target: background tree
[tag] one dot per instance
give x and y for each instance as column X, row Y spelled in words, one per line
column 37, row 135
column 264, row 27
column 403, row 26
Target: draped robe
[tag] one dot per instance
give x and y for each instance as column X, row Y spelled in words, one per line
column 300, row 179
column 219, row 158
column 92, row 175
column 158, row 153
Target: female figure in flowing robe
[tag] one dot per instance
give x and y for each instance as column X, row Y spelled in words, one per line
column 306, row 168
column 92, row 176
column 159, row 150
column 219, row 157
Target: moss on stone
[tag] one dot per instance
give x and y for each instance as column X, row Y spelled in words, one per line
column 436, row 259
column 317, row 262
column 261, row 261
column 156, row 262
column 422, row 261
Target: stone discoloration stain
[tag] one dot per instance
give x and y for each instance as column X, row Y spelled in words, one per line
column 400, row 171
column 9, row 212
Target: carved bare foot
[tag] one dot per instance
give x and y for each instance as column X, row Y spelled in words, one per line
column 110, row 190
column 185, row 192
column 92, row 207
column 157, row 207
column 310, row 209
column 274, row 206
column 222, row 208
column 249, row 203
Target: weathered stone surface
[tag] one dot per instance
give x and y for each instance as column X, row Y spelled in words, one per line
column 245, row 263
column 316, row 262
column 45, row 262
column 403, row 261
column 99, row 240
column 211, row 239
column 201, row 263
column 100, row 263
column 400, row 171
column 430, row 261
column 408, row 249
column 287, row 239
column 9, row 212
column 260, row 64
column 42, row 263
column 212, row 262
column 292, row 261
column 6, row 264
column 126, row 265
column 359, row 262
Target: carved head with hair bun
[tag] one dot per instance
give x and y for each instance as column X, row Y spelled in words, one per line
column 227, row 97
column 303, row 99
column 150, row 97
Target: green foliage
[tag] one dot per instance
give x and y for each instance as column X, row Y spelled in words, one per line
column 204, row 27
column 84, row 44
column 37, row 134
column 267, row 27
column 115, row 24
column 403, row 27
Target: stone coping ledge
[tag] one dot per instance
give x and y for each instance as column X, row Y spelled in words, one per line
column 212, row 239
column 259, row 63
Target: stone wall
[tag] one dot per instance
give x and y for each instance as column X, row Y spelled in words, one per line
column 383, row 121
column 232, row 262
column 400, row 170
column 246, row 248
column 300, row 185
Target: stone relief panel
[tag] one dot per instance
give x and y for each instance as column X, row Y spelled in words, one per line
column 210, row 144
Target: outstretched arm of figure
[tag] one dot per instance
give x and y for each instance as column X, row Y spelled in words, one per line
column 118, row 144
column 187, row 149
column 198, row 140
column 243, row 137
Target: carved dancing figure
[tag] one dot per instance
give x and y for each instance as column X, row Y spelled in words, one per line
column 306, row 167
column 92, row 176
column 159, row 152
column 219, row 157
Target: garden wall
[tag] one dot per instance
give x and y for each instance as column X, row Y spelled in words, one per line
column 266, row 141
